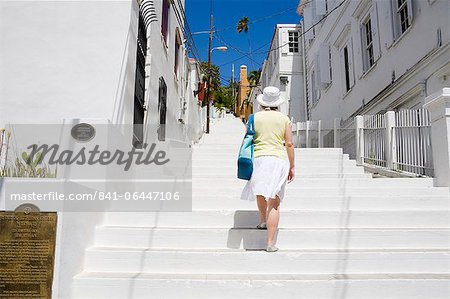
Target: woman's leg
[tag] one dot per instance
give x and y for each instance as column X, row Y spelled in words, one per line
column 262, row 207
column 273, row 217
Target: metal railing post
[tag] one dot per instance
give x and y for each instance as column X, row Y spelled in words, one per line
column 336, row 135
column 359, row 138
column 307, row 134
column 389, row 141
column 319, row 133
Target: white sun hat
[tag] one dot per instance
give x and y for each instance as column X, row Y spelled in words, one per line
column 270, row 97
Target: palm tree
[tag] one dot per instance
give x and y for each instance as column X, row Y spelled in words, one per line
column 242, row 25
column 253, row 77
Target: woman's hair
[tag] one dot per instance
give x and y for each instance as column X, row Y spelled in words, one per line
column 271, row 108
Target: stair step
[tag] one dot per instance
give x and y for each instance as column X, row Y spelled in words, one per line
column 146, row 260
column 110, row 285
column 305, row 191
column 288, row 219
column 216, row 175
column 299, row 162
column 287, row 238
column 331, row 202
column 327, row 182
column 317, row 169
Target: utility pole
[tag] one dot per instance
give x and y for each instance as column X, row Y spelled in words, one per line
column 209, row 72
column 232, row 86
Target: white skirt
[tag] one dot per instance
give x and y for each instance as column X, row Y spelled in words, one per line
column 268, row 179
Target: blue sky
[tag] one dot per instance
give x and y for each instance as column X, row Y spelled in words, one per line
column 226, row 14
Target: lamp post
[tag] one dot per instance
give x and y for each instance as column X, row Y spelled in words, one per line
column 208, row 86
column 210, row 50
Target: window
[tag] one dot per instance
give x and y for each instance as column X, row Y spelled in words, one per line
column 367, row 44
column 177, row 51
column 139, row 86
column 402, row 15
column 162, row 109
column 347, row 68
column 165, row 19
column 293, row 42
column 331, row 64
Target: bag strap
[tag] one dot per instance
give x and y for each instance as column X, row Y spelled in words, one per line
column 250, row 125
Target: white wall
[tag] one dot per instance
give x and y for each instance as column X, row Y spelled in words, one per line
column 62, row 61
column 418, row 63
column 280, row 62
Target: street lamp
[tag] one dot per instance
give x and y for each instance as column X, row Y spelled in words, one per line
column 222, row 49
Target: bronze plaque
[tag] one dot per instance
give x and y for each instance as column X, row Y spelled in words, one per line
column 27, row 254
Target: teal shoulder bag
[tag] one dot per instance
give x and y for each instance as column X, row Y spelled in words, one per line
column 245, row 159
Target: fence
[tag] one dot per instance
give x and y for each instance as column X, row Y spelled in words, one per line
column 412, row 142
column 374, row 145
column 307, row 134
column 399, row 141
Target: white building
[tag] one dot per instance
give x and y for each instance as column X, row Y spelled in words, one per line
column 283, row 68
column 100, row 62
column 85, row 62
column 370, row 56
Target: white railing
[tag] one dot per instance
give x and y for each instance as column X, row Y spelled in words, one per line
column 373, row 149
column 345, row 136
column 412, row 142
column 398, row 141
column 307, row 134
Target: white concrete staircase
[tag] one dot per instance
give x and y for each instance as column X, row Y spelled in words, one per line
column 343, row 235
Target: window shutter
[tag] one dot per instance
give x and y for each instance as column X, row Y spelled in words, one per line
column 320, row 7
column 316, row 17
column 385, row 7
column 359, row 48
column 284, row 41
column 410, row 11
column 317, row 78
column 350, row 62
column 308, row 21
column 324, row 65
column 375, row 32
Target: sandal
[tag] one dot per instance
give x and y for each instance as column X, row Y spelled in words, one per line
column 262, row 225
column 271, row 248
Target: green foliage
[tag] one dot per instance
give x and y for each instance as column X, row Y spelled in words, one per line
column 215, row 75
column 28, row 167
column 253, row 77
column 223, row 98
column 242, row 25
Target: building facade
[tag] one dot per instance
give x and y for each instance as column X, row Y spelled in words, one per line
column 283, row 68
column 370, row 56
column 96, row 62
column 121, row 63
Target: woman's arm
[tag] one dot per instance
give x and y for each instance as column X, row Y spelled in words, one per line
column 290, row 151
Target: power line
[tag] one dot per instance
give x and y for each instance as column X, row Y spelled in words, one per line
column 246, row 55
column 314, row 25
column 234, row 48
column 300, row 35
column 268, row 16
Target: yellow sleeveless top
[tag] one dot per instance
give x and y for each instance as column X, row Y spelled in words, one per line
column 270, row 129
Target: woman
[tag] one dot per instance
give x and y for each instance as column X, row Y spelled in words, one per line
column 273, row 163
